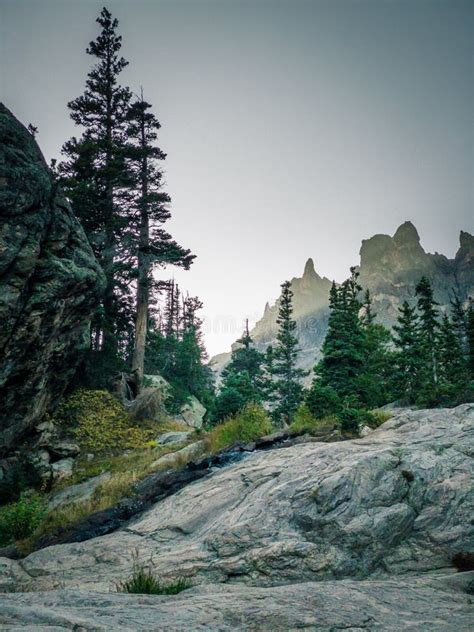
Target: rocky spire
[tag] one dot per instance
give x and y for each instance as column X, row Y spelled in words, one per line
column 309, row 270
column 406, row 233
column 466, row 243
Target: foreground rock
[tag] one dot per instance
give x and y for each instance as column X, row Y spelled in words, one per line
column 174, row 438
column 168, row 461
column 398, row 501
column 80, row 493
column 432, row 604
column 174, row 471
column 382, row 514
column 49, row 285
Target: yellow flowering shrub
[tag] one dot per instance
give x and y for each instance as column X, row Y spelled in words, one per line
column 100, row 422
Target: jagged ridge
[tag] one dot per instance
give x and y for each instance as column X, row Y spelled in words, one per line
column 389, row 267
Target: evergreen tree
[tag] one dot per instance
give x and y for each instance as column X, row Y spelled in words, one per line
column 94, row 173
column 152, row 246
column 246, row 358
column 368, row 317
column 268, row 387
column 354, row 372
column 408, row 361
column 177, row 353
column 343, row 348
column 470, row 338
column 322, row 401
column 234, row 393
column 288, row 390
column 453, row 370
column 242, row 378
column 459, row 320
column 172, row 313
column 428, row 340
column 374, row 381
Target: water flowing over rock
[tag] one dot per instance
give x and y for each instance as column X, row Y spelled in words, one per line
column 49, row 284
column 359, row 534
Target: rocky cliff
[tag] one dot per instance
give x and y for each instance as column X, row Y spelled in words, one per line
column 390, row 268
column 49, row 284
column 361, row 534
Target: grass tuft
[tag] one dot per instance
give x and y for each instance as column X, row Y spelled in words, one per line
column 378, row 417
column 144, row 582
column 305, row 420
column 19, row 520
column 252, row 422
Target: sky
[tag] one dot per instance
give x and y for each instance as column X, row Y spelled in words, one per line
column 293, row 128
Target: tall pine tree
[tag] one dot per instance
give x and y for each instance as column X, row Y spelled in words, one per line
column 94, row 172
column 470, row 337
column 452, row 365
column 343, row 348
column 459, row 319
column 175, row 350
column 354, row 372
column 242, row 378
column 152, row 245
column 287, row 387
column 428, row 341
column 374, row 381
column 408, row 361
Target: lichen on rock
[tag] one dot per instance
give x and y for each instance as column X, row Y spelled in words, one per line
column 50, row 282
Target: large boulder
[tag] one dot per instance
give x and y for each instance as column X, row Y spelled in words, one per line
column 174, row 437
column 150, row 404
column 397, row 501
column 79, row 493
column 192, row 413
column 361, row 534
column 49, row 284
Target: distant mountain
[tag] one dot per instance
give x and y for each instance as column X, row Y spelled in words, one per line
column 390, row 267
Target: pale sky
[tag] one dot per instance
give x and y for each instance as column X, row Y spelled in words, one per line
column 293, row 129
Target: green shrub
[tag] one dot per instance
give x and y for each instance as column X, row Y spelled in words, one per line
column 305, row 420
column 352, row 418
column 252, row 422
column 100, row 423
column 144, row 582
column 229, row 401
column 19, row 477
column 377, row 418
column 322, row 401
column 177, row 397
column 20, row 519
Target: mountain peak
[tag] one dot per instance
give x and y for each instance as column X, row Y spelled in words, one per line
column 406, row 233
column 466, row 240
column 309, row 270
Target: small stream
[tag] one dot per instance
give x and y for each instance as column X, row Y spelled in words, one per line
column 160, row 485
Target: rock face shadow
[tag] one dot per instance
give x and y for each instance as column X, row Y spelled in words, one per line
column 50, row 282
